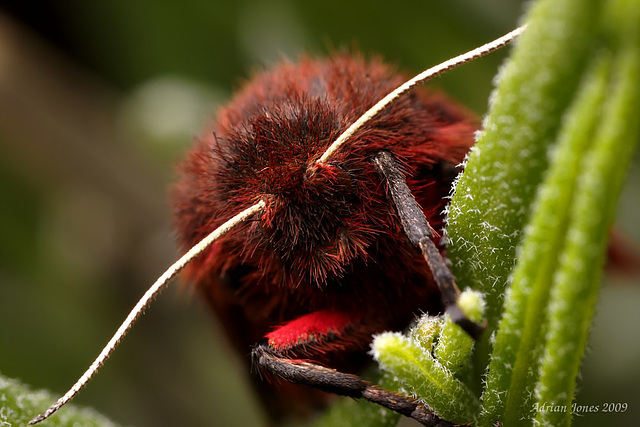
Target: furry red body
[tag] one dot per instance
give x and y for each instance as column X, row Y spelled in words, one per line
column 327, row 264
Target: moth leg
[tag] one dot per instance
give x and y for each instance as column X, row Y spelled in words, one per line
column 417, row 228
column 277, row 356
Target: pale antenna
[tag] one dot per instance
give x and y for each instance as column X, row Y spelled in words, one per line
column 420, row 78
column 196, row 250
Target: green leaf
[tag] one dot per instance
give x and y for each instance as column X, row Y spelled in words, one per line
column 19, row 404
column 604, row 168
column 493, row 198
column 520, row 339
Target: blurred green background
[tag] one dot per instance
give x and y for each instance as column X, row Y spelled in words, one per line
column 98, row 101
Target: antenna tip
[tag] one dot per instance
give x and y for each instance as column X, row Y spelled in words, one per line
column 46, row 414
column 37, row 419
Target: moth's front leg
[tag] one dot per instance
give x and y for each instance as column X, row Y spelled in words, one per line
column 419, row 232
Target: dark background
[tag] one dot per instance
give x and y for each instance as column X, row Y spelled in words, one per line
column 98, row 101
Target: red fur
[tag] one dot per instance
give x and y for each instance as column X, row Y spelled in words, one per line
column 318, row 333
column 328, row 243
column 310, row 327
